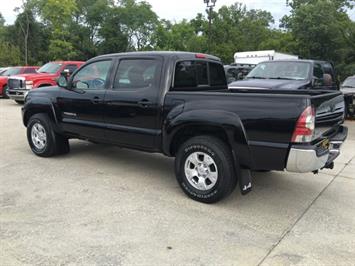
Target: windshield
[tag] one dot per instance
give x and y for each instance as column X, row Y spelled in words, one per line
column 281, row 70
column 50, row 68
column 12, row 71
column 349, row 82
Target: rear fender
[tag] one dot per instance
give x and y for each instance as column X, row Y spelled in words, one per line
column 228, row 122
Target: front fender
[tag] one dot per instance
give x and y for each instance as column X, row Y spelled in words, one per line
column 37, row 105
column 229, row 122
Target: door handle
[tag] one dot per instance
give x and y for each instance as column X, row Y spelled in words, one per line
column 96, row 100
column 145, row 103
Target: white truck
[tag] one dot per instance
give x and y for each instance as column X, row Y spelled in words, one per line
column 255, row 57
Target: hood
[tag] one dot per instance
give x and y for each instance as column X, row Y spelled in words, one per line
column 33, row 76
column 281, row 84
column 47, row 92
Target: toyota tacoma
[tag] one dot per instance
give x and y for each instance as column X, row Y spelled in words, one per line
column 178, row 104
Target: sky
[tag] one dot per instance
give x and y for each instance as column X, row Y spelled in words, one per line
column 175, row 10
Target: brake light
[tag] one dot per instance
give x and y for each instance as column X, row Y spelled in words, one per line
column 305, row 126
column 200, row 56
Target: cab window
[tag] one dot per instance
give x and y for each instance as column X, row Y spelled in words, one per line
column 92, row 76
column 137, row 74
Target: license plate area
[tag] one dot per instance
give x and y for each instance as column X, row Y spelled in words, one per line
column 323, row 147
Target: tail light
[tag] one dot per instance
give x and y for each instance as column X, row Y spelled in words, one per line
column 305, row 126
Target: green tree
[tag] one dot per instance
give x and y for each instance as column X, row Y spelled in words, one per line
column 112, row 35
column 10, row 55
column 139, row 23
column 58, row 16
column 322, row 30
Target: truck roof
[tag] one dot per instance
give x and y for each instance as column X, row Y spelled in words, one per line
column 181, row 55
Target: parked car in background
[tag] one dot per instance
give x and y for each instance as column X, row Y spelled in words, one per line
column 178, row 104
column 13, row 71
column 348, row 89
column 47, row 75
column 236, row 72
column 290, row 75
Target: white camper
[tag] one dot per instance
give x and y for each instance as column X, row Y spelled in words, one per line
column 255, row 57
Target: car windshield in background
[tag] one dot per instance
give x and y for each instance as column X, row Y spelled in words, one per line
column 50, row 68
column 12, row 71
column 349, row 83
column 281, row 70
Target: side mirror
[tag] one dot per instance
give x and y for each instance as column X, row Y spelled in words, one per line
column 62, row 81
column 66, row 72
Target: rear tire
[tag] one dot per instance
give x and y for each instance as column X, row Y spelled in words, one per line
column 19, row 102
column 43, row 140
column 204, row 169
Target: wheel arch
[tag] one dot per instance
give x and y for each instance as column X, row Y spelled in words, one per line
column 40, row 105
column 224, row 125
column 44, row 85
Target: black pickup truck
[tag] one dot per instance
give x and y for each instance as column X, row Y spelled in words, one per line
column 178, row 104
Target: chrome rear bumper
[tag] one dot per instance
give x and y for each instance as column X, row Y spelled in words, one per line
column 309, row 158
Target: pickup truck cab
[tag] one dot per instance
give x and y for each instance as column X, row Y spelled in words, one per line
column 47, row 75
column 13, row 71
column 178, row 104
column 290, row 75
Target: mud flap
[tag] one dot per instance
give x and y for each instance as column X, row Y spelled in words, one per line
column 245, row 184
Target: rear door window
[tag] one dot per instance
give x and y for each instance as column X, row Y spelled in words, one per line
column 137, row 74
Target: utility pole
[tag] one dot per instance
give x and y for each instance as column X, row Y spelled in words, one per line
column 210, row 5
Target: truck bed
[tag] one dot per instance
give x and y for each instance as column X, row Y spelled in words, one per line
column 268, row 117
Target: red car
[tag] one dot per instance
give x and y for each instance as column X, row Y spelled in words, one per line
column 13, row 71
column 46, row 76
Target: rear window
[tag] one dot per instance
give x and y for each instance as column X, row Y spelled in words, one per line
column 195, row 75
column 185, row 75
column 217, row 75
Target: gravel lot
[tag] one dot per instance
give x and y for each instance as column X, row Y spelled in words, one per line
column 102, row 205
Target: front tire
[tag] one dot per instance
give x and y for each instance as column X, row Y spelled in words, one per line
column 43, row 140
column 204, row 169
column 19, row 102
column 4, row 92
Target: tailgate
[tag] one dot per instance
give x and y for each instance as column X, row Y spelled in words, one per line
column 330, row 110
